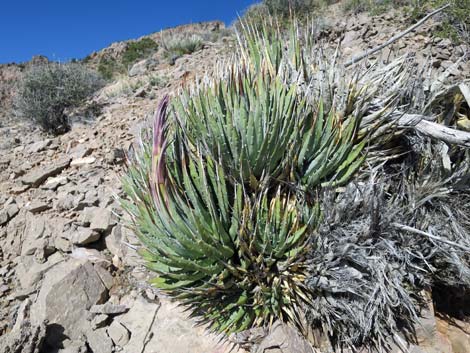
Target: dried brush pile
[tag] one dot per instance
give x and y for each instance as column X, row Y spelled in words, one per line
column 291, row 188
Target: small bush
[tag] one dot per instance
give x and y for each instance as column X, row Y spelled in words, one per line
column 297, row 7
column 108, row 67
column 138, row 50
column 46, row 90
column 179, row 45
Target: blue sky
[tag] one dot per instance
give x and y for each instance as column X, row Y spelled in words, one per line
column 67, row 29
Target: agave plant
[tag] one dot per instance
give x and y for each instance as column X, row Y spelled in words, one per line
column 224, row 197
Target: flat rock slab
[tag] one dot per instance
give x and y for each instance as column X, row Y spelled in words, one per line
column 174, row 332
column 39, row 175
column 69, row 290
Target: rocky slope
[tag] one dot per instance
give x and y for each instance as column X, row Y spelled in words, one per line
column 70, row 278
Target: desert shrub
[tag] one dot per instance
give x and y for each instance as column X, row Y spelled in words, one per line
column 258, row 196
column 138, row 50
column 179, row 44
column 46, row 90
column 108, row 67
column 296, row 7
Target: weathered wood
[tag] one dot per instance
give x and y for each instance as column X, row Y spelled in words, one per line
column 435, row 130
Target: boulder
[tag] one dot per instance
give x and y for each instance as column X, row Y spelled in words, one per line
column 68, row 291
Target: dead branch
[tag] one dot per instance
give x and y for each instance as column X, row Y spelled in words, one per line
column 395, row 38
column 435, row 130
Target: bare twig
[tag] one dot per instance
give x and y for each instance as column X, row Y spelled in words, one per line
column 429, row 235
column 395, row 38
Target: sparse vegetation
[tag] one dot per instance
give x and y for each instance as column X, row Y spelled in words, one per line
column 179, row 44
column 45, row 91
column 455, row 21
column 138, row 50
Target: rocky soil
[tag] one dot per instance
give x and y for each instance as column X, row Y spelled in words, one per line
column 70, row 278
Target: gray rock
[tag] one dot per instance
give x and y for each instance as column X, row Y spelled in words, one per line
column 99, row 341
column 114, row 240
column 83, row 236
column 105, row 276
column 34, row 235
column 91, row 255
column 119, row 334
column 99, row 321
column 38, row 207
column 82, row 161
column 38, row 176
column 29, row 272
column 139, row 68
column 102, row 219
column 54, row 183
column 139, row 321
column 109, row 309
column 80, row 151
column 284, row 339
column 68, row 291
column 38, row 146
column 8, row 213
column 24, row 337
column 73, row 347
column 173, row 331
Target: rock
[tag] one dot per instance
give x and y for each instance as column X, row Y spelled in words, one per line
column 80, row 151
column 141, row 92
column 65, row 201
column 119, row 334
column 34, row 235
column 170, row 322
column 83, row 236
column 99, row 341
column 38, row 146
column 91, row 255
column 284, row 339
column 73, row 347
column 114, row 240
column 101, row 219
column 3, row 217
column 139, row 321
column 24, row 337
column 99, row 321
column 8, row 213
column 38, row 176
column 68, row 291
column 445, row 44
column 82, row 161
column 138, row 68
column 109, row 309
column 29, row 272
column 105, row 276
column 38, row 207
column 54, row 183
column 115, row 156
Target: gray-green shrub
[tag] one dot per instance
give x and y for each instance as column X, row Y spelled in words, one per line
column 45, row 91
column 178, row 45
